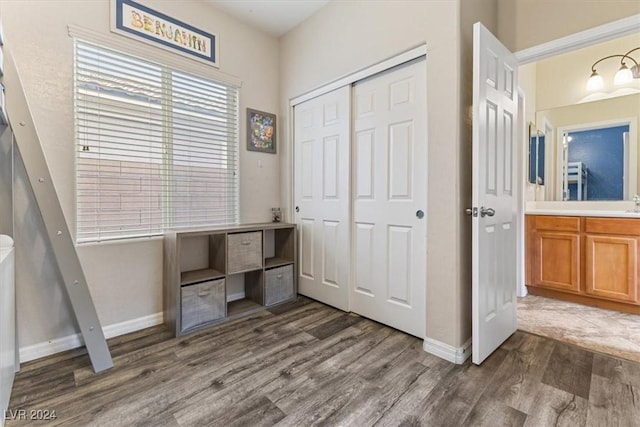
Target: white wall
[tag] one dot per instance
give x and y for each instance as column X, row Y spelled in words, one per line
column 346, row 36
column 527, row 23
column 561, row 80
column 125, row 279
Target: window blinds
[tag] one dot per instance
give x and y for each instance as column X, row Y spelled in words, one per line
column 156, row 148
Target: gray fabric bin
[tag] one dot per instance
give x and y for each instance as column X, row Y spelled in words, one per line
column 278, row 285
column 244, row 252
column 203, row 302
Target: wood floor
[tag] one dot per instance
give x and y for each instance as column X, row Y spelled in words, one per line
column 307, row 364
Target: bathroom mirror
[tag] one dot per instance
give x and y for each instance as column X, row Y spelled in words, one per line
column 589, row 134
column 536, row 155
column 591, row 150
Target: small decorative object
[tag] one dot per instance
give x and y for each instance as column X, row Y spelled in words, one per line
column 142, row 23
column 275, row 214
column 261, row 131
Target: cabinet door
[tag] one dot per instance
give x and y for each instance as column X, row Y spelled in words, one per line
column 558, row 261
column 612, row 267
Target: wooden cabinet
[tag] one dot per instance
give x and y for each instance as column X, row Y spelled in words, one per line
column 199, row 266
column 584, row 259
column 553, row 252
column 612, row 267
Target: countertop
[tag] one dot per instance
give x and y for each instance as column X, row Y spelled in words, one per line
column 599, row 209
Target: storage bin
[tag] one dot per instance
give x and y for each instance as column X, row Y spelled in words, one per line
column 244, row 252
column 203, row 302
column 278, row 285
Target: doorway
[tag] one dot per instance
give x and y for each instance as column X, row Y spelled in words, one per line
column 574, row 318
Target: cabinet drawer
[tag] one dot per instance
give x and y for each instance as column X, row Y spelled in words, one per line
column 278, row 285
column 557, row 223
column 620, row 226
column 244, row 252
column 202, row 303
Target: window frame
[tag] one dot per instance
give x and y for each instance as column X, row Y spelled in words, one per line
column 168, row 107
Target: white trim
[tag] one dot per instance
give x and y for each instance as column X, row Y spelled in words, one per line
column 69, row 342
column 579, row 40
column 153, row 53
column 406, row 56
column 457, row 355
column 549, row 159
column 523, row 180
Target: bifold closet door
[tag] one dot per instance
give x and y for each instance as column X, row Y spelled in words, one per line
column 322, row 199
column 389, row 149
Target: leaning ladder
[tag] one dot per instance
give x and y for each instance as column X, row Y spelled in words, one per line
column 28, row 144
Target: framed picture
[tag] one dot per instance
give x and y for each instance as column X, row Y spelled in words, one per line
column 142, row 23
column 261, row 131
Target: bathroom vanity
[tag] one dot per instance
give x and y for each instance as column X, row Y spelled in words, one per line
column 590, row 257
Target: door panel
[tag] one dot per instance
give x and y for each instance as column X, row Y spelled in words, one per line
column 559, row 256
column 495, row 108
column 389, row 251
column 321, row 185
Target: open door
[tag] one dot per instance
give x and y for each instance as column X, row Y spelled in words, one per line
column 494, row 242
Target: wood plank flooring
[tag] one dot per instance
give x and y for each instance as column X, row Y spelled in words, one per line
column 309, row 364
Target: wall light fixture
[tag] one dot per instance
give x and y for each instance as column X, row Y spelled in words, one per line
column 623, row 76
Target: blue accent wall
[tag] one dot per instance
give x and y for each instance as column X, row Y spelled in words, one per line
column 602, row 152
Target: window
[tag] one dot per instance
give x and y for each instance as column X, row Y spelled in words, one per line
column 156, row 148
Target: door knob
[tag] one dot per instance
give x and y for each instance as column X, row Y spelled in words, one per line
column 420, row 214
column 486, row 211
column 297, row 208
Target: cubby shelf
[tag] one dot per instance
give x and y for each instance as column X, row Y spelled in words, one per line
column 200, row 265
column 276, row 262
column 196, row 276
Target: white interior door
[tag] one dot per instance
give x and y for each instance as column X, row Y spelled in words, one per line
column 494, row 241
column 322, row 199
column 389, row 148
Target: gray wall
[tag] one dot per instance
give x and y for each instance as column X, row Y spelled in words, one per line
column 6, row 197
column 37, row 275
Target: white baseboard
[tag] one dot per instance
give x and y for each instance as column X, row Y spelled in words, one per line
column 235, row 297
column 57, row 345
column 457, row 355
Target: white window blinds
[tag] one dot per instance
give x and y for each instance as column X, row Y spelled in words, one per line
column 156, row 148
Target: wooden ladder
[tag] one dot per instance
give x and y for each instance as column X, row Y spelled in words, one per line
column 30, row 149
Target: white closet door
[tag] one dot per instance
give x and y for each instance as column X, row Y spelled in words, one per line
column 389, row 148
column 322, row 199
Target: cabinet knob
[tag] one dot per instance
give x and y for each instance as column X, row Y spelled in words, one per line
column 246, row 243
column 279, row 276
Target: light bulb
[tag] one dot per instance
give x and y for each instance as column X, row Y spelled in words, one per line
column 623, row 76
column 595, row 82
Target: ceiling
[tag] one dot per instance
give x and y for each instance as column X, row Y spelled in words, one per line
column 274, row 17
